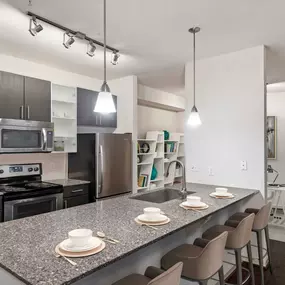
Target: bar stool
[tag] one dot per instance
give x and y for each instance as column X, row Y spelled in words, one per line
column 154, row 276
column 239, row 234
column 201, row 260
column 260, row 223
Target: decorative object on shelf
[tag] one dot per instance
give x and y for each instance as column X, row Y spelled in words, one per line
column 138, row 159
column 145, row 148
column 170, row 147
column 153, row 173
column 59, row 145
column 271, row 137
column 166, row 135
column 194, row 117
column 105, row 103
column 272, row 170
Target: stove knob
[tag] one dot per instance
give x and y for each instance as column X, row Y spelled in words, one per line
column 1, row 171
column 30, row 169
column 36, row 169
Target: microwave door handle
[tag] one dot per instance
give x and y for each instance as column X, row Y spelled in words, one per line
column 101, row 169
column 44, row 133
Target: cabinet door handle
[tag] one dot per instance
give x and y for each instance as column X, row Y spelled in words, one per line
column 77, row 190
column 28, row 112
column 22, row 112
column 65, row 204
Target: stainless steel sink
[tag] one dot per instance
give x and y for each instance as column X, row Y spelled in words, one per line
column 160, row 196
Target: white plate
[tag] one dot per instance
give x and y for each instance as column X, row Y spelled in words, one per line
column 192, row 205
column 159, row 219
column 93, row 243
column 193, row 208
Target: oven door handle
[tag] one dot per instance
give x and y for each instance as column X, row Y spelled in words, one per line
column 44, row 135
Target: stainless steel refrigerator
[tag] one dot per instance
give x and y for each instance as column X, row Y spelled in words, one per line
column 106, row 161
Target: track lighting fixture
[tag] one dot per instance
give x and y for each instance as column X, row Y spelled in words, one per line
column 115, row 58
column 35, row 27
column 68, row 40
column 70, row 36
column 91, row 48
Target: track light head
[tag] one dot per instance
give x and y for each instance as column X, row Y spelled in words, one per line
column 35, row 28
column 68, row 40
column 115, row 58
column 91, row 48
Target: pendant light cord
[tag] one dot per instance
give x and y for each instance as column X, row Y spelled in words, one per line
column 105, row 68
column 194, row 67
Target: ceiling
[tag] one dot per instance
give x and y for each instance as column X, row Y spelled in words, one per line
column 151, row 35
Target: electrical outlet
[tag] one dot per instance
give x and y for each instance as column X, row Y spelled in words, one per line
column 243, row 165
column 210, row 171
column 194, row 168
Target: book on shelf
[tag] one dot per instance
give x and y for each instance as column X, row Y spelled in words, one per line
column 170, row 146
column 143, row 180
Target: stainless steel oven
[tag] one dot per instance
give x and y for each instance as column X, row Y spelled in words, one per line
column 19, row 136
column 21, row 208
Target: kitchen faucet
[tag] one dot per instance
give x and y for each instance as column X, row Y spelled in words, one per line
column 183, row 184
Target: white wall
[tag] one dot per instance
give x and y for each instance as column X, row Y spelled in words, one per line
column 276, row 107
column 231, row 101
column 125, row 88
column 152, row 118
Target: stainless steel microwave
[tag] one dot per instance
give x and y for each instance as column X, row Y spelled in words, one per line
column 20, row 136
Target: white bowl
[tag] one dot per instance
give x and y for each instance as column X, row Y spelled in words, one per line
column 221, row 190
column 80, row 237
column 193, row 200
column 152, row 213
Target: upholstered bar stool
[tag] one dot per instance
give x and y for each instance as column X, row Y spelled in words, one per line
column 201, row 260
column 260, row 223
column 154, row 276
column 239, row 234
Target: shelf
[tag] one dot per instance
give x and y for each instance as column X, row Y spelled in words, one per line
column 178, row 176
column 171, row 141
column 148, row 153
column 146, row 140
column 158, row 157
column 62, row 101
column 144, row 163
column 64, row 118
column 181, row 142
column 141, row 188
column 181, row 156
column 170, row 152
column 65, row 137
column 157, row 179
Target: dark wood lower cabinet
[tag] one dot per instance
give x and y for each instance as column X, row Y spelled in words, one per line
column 75, row 201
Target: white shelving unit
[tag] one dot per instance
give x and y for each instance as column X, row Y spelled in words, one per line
column 64, row 117
column 159, row 152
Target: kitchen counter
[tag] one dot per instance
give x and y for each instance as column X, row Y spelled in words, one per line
column 27, row 245
column 68, row 182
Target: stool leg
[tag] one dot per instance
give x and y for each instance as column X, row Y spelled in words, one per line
column 249, row 253
column 221, row 276
column 204, row 282
column 268, row 249
column 239, row 268
column 259, row 245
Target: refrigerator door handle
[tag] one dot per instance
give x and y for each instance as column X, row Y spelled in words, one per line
column 101, row 169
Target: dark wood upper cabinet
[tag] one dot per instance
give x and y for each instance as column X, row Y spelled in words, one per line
column 11, row 96
column 24, row 98
column 86, row 100
column 37, row 99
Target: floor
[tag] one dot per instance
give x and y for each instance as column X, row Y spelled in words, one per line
column 278, row 264
column 277, row 233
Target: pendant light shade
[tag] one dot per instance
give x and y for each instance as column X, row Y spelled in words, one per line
column 105, row 103
column 194, row 117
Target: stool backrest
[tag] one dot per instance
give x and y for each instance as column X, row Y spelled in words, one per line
column 262, row 217
column 170, row 277
column 241, row 236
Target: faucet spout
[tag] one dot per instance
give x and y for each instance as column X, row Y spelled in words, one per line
column 183, row 184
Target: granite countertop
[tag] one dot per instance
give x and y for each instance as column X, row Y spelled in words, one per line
column 27, row 245
column 68, row 182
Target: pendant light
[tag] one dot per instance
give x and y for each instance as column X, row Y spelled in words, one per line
column 194, row 118
column 105, row 103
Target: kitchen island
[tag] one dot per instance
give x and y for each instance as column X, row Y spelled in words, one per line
column 27, row 245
